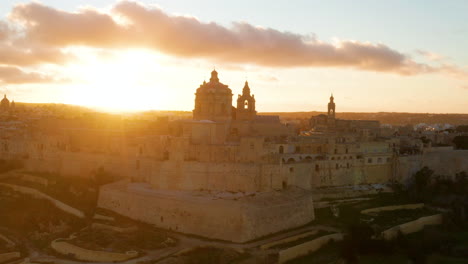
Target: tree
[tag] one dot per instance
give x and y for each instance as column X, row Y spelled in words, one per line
column 461, row 142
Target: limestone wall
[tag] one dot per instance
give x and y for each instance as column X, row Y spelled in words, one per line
column 412, row 227
column 37, row 194
column 204, row 215
column 9, row 256
column 79, row 253
column 307, row 247
column 288, row 239
column 392, row 208
column 114, row 228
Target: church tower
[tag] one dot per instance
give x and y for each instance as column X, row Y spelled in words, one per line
column 213, row 101
column 331, row 113
column 246, row 105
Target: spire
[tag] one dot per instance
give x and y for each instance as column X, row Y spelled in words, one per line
column 246, row 90
column 214, row 76
column 331, row 98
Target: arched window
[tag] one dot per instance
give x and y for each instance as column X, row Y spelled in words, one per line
column 291, row 160
column 246, row 104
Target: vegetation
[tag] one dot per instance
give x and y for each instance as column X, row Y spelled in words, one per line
column 140, row 240
column 302, row 240
column 9, row 165
column 212, row 255
column 461, row 142
column 35, row 220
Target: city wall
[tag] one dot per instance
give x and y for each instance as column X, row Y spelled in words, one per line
column 411, row 227
column 307, row 247
column 204, row 215
column 37, row 194
column 79, row 253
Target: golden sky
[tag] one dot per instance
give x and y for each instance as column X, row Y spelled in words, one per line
column 135, row 56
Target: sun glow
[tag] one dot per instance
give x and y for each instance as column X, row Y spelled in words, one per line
column 123, row 80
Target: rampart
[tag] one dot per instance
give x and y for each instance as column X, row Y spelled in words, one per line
column 65, row 248
column 307, row 247
column 411, row 227
column 248, row 217
column 392, row 208
column 37, row 194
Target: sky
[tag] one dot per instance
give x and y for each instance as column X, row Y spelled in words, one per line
column 373, row 55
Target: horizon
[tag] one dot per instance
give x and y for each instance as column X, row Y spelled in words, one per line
column 124, row 65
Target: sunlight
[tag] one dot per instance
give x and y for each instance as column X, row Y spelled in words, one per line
column 124, row 80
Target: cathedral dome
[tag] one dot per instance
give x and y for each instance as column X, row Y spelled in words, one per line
column 5, row 103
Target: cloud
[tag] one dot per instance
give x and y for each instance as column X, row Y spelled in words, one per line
column 432, row 56
column 131, row 24
column 14, row 75
column 31, row 55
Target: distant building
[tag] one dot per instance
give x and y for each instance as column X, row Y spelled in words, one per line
column 4, row 104
column 329, row 123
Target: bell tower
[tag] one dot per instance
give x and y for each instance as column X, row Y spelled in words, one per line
column 331, row 113
column 331, row 108
column 246, row 105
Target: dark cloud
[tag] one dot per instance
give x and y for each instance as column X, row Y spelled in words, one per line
column 132, row 24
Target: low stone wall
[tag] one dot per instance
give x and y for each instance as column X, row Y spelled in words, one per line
column 307, row 247
column 103, row 217
column 114, row 228
column 392, row 208
column 411, row 227
column 34, row 179
column 9, row 256
column 65, row 248
column 287, row 240
column 7, row 240
column 37, row 194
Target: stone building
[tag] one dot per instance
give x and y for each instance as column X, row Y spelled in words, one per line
column 227, row 173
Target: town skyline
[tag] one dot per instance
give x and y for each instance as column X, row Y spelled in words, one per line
column 135, row 67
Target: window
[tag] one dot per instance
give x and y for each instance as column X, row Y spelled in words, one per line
column 281, row 149
column 285, row 185
column 369, row 160
column 379, row 160
column 347, row 165
column 291, row 169
column 246, row 104
column 317, row 168
column 337, row 166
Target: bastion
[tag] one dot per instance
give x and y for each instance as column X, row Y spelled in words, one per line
column 235, row 217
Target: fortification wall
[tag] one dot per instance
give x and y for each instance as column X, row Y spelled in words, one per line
column 307, row 247
column 411, row 227
column 248, row 217
column 443, row 162
column 9, row 256
column 79, row 253
column 37, row 194
column 392, row 208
